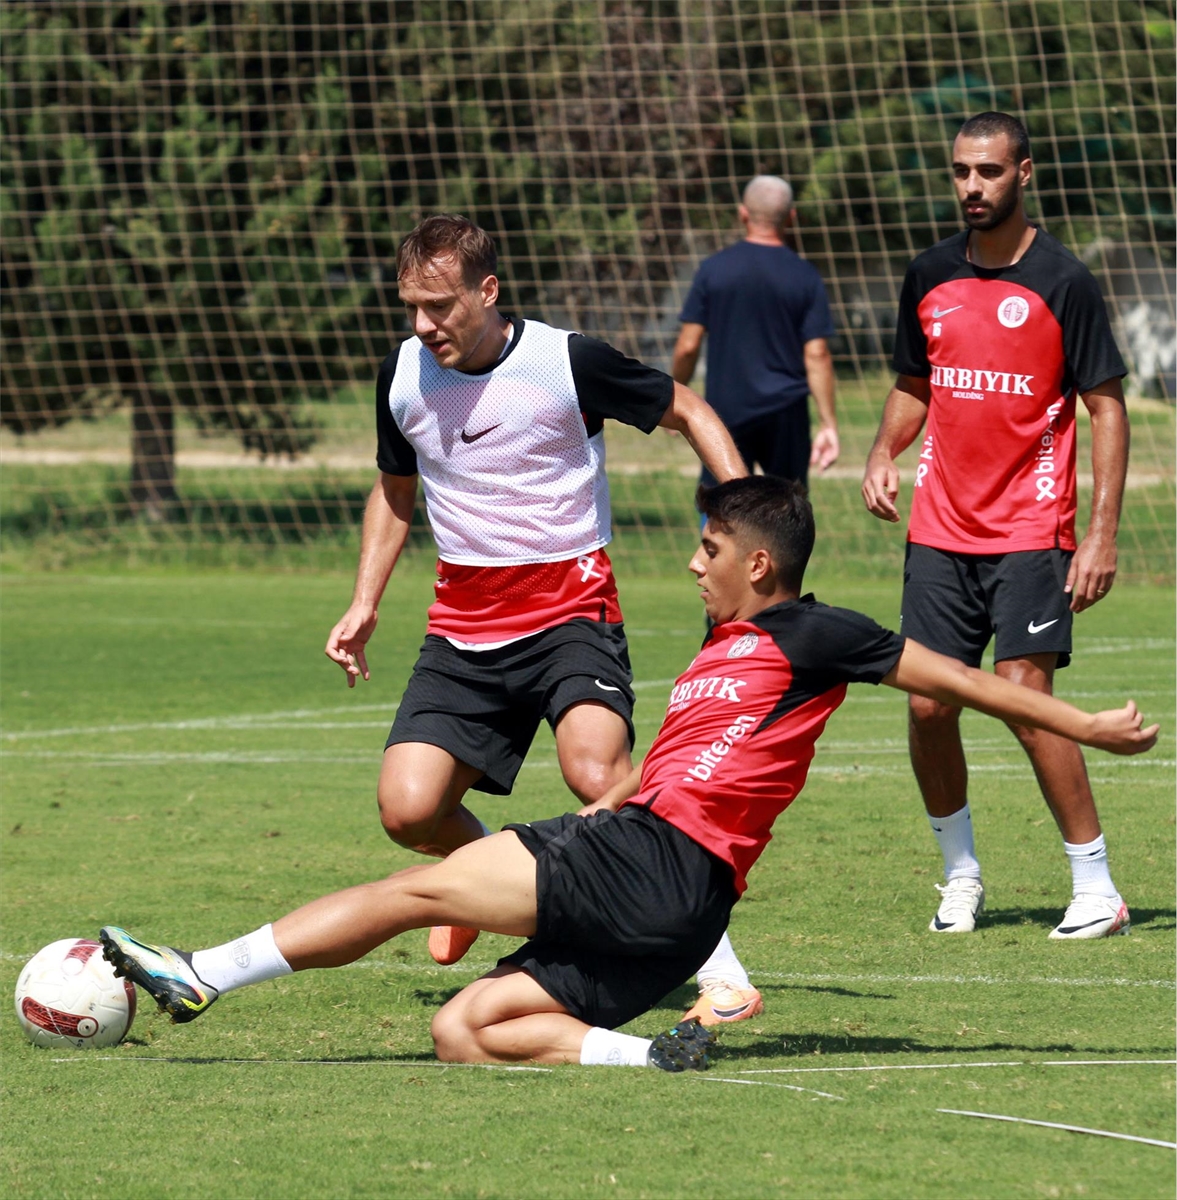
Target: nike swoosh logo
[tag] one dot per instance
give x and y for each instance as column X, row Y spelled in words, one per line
column 937, row 313
column 1032, row 628
column 473, row 437
column 726, row 1014
column 605, row 687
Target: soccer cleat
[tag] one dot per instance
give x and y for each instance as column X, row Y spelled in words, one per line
column 683, row 1048
column 1090, row 916
column 165, row 974
column 721, row 1002
column 449, row 943
column 961, row 900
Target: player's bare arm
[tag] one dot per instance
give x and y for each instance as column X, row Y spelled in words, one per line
column 904, row 414
column 1093, row 569
column 686, row 352
column 387, row 517
column 819, row 373
column 689, row 414
column 938, row 677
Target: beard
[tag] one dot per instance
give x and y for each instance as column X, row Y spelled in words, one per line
column 1000, row 212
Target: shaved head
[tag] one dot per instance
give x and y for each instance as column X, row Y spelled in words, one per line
column 768, row 200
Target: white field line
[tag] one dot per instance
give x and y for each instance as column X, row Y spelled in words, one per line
column 236, row 721
column 297, row 1062
column 475, row 968
column 150, row 758
column 1123, row 1137
column 789, row 1087
column 965, row 1066
column 277, row 720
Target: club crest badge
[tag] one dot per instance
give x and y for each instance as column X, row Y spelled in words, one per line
column 1013, row 311
column 743, row 646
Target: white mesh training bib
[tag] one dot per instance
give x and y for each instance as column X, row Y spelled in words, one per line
column 509, row 471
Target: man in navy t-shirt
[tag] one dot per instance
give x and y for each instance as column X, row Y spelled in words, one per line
column 766, row 318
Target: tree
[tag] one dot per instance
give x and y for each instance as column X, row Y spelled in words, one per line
column 171, row 232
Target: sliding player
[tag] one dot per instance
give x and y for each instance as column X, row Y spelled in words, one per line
column 623, row 901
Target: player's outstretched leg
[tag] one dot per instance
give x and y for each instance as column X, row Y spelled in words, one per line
column 489, row 884
column 725, row 992
column 166, row 975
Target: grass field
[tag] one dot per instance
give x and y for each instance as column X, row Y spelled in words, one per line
column 181, row 759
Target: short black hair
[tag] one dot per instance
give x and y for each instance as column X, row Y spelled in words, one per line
column 990, row 124
column 774, row 512
column 448, row 235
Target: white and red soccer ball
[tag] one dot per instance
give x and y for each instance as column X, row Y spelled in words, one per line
column 68, row 997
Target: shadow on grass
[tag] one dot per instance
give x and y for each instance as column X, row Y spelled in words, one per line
column 1144, row 920
column 817, row 1045
column 434, row 997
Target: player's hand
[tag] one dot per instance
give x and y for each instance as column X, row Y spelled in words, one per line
column 826, row 448
column 1092, row 573
column 1119, row 731
column 346, row 642
column 880, row 488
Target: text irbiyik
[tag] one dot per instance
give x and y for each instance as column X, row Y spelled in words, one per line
column 721, row 686
column 1005, row 382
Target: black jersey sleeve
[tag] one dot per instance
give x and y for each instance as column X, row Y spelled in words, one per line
column 394, row 455
column 611, row 386
column 1088, row 345
column 910, row 356
column 838, row 644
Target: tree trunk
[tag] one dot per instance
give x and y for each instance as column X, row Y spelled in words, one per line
column 153, row 457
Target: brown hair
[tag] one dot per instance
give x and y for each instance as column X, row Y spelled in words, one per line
column 448, row 235
column 775, row 513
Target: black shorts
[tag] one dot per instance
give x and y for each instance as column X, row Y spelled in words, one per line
column 779, row 444
column 484, row 707
column 954, row 603
column 627, row 909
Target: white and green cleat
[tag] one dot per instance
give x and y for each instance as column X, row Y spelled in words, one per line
column 165, row 974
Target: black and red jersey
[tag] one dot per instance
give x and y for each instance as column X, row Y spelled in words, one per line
column 742, row 720
column 1006, row 351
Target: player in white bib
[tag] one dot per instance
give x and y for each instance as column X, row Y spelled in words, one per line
column 501, row 420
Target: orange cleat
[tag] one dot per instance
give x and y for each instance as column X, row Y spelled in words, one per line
column 720, row 1003
column 449, row 943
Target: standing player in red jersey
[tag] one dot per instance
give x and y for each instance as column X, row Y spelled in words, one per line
column 501, row 420
column 999, row 327
column 623, row 901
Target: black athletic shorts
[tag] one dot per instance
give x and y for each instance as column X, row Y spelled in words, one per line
column 485, row 706
column 628, row 908
column 779, row 444
column 954, row 603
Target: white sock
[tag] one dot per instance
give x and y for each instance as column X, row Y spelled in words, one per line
column 1089, row 868
column 955, row 835
column 249, row 959
column 607, row 1048
column 724, row 967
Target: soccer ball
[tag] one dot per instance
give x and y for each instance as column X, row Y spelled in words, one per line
column 68, row 997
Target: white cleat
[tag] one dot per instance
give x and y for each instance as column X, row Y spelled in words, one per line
column 1090, row 916
column 961, row 900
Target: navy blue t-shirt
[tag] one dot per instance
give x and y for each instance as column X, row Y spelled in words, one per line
column 760, row 305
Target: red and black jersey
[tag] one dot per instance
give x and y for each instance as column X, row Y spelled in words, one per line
column 1006, row 351
column 742, row 720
